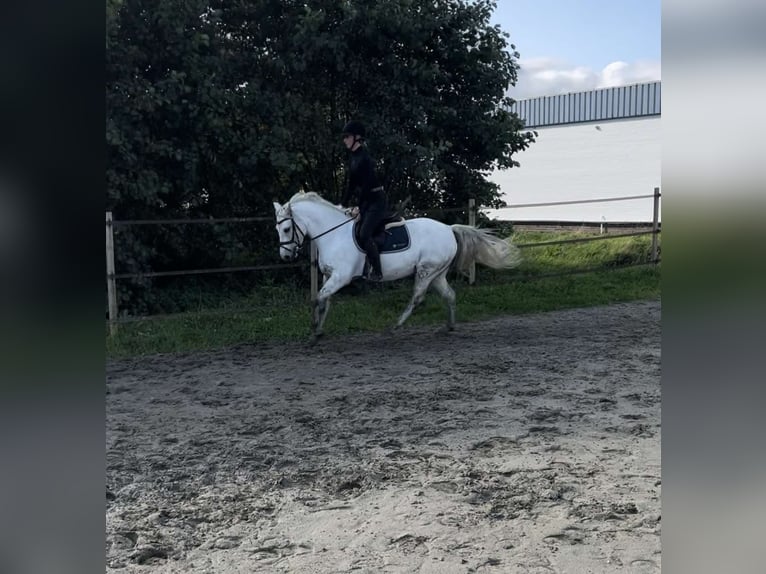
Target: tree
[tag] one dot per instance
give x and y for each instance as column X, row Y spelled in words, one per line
column 428, row 78
column 218, row 107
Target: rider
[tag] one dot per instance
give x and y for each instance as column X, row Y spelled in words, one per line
column 370, row 195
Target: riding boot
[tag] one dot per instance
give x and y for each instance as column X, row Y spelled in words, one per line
column 373, row 256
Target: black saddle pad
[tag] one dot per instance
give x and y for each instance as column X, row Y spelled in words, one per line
column 389, row 240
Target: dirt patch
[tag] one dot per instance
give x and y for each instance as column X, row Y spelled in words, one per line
column 521, row 444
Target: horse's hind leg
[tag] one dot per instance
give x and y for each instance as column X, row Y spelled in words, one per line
column 443, row 288
column 423, row 278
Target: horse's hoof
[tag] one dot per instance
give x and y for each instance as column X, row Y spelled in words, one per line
column 314, row 338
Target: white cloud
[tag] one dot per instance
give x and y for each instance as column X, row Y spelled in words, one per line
column 622, row 73
column 550, row 77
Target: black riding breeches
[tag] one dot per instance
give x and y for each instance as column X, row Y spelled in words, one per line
column 370, row 221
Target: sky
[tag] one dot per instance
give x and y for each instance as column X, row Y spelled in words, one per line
column 576, row 45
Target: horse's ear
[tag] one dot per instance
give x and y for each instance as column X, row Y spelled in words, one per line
column 277, row 208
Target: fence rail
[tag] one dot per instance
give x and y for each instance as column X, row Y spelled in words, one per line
column 578, row 201
column 141, row 275
column 126, row 222
column 471, row 209
column 583, row 239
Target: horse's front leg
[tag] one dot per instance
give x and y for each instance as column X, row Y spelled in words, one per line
column 321, row 307
column 318, row 309
column 332, row 284
column 314, row 315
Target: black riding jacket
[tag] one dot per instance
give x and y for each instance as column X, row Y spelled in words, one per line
column 362, row 181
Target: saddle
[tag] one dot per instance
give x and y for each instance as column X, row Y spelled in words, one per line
column 390, row 221
column 390, row 235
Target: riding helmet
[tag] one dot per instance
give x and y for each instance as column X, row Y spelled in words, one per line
column 354, row 128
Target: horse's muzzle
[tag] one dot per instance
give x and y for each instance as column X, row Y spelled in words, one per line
column 288, row 254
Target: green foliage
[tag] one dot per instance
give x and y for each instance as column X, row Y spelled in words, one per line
column 216, row 108
column 608, row 252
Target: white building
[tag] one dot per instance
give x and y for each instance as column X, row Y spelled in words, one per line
column 598, row 144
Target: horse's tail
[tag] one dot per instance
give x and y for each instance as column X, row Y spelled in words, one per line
column 484, row 246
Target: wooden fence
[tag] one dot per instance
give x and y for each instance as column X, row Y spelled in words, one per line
column 112, row 277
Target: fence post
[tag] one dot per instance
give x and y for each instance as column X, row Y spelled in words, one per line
column 655, row 223
column 111, row 283
column 314, row 272
column 472, row 222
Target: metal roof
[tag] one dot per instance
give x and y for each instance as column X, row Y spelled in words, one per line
column 637, row 100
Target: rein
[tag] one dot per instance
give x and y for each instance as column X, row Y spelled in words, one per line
column 333, row 228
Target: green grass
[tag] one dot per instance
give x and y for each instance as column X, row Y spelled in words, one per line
column 281, row 313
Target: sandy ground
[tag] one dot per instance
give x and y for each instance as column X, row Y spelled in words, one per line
column 520, row 444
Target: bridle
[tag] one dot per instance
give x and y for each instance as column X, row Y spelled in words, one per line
column 298, row 240
column 295, row 238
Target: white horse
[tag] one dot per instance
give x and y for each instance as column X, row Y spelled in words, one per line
column 427, row 250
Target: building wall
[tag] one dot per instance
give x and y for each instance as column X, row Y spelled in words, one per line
column 622, row 102
column 599, row 159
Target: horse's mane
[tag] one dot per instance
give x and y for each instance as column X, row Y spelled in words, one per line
column 313, row 197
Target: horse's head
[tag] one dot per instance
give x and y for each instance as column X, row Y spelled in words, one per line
column 291, row 236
